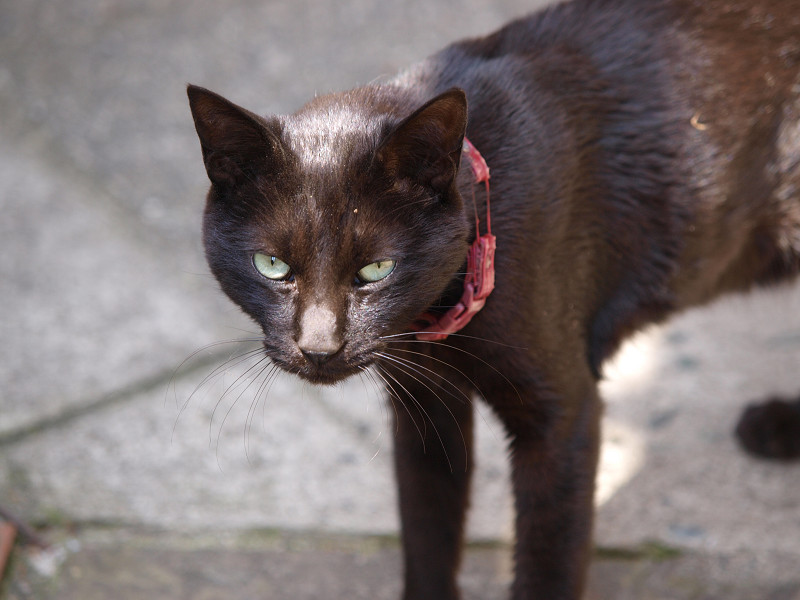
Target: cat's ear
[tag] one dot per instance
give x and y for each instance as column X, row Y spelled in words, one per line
column 235, row 142
column 426, row 147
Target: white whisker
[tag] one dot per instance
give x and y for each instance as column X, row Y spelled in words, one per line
column 237, row 382
column 405, row 369
column 460, row 372
column 232, row 361
column 418, row 368
column 251, row 411
column 195, row 353
column 394, row 393
column 456, row 348
column 460, row 335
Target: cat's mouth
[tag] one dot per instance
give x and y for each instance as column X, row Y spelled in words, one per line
column 320, row 370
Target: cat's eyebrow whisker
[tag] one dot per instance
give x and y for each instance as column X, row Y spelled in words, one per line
column 409, row 371
column 406, row 206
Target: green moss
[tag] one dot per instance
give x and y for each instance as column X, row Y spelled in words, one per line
column 655, row 551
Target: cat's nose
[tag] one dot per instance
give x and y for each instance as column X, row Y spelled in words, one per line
column 317, row 357
column 318, row 339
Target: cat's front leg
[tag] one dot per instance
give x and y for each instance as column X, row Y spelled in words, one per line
column 433, row 461
column 554, row 453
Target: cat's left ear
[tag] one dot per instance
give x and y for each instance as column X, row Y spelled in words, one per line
column 426, row 147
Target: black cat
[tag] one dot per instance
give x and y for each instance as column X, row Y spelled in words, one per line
column 644, row 156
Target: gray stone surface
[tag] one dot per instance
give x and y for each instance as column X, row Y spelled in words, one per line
column 199, row 484
column 90, row 306
column 679, row 390
column 282, row 566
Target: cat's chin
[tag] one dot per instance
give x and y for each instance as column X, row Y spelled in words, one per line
column 324, row 377
column 329, row 374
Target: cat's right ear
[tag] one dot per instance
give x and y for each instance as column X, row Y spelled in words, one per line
column 426, row 147
column 236, row 143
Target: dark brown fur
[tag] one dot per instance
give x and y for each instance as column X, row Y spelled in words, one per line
column 645, row 158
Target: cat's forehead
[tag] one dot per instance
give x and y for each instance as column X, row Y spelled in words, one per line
column 325, row 135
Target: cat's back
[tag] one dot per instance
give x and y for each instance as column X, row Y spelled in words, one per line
column 703, row 79
column 609, row 30
column 687, row 114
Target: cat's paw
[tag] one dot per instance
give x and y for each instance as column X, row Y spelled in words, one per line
column 771, row 429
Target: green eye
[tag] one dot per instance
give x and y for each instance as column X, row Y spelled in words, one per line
column 376, row 271
column 271, row 267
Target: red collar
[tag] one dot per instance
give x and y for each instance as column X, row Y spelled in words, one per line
column 479, row 281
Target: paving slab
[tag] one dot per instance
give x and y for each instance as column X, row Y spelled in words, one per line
column 91, row 308
column 107, row 79
column 232, row 454
column 680, row 390
column 249, row 455
column 109, row 563
column 306, row 459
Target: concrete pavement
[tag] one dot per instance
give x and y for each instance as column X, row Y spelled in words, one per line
column 153, row 478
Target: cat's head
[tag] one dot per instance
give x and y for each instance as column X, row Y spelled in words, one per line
column 335, row 226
